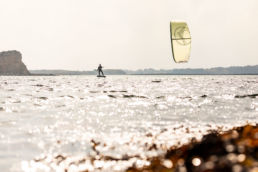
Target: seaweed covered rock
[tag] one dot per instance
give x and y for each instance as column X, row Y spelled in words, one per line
column 11, row 63
column 235, row 150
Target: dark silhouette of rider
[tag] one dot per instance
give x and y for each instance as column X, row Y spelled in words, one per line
column 100, row 70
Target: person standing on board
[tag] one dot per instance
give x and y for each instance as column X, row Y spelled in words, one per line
column 100, row 70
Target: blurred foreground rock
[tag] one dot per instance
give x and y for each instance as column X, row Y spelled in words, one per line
column 11, row 63
column 235, row 150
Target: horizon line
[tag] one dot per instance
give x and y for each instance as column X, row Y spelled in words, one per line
column 145, row 68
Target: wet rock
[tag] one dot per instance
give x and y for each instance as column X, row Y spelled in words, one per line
column 160, row 97
column 94, row 146
column 50, row 89
column 156, row 81
column 204, row 96
column 114, row 91
column 18, row 101
column 186, row 97
column 10, row 90
column 112, row 96
column 235, row 149
column 247, row 95
column 43, row 98
column 39, row 85
column 93, row 91
column 149, row 135
column 133, row 96
column 143, row 97
column 128, row 96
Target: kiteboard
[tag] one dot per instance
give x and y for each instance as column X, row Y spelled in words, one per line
column 180, row 41
column 101, row 76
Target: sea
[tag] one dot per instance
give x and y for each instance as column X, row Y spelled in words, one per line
column 62, row 123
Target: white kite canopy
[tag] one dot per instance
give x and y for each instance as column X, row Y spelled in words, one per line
column 180, row 41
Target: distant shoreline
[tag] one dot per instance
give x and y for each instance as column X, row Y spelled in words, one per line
column 135, row 75
column 234, row 70
column 194, row 74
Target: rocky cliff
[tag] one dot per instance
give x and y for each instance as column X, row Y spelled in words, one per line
column 11, row 63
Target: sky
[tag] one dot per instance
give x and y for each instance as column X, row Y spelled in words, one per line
column 128, row 34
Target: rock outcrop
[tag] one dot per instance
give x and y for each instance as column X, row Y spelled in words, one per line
column 11, row 63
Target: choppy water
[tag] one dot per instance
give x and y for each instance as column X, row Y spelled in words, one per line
column 46, row 116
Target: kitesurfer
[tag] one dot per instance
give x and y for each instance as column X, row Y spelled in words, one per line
column 100, row 70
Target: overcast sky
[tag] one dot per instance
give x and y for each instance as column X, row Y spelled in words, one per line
column 128, row 34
